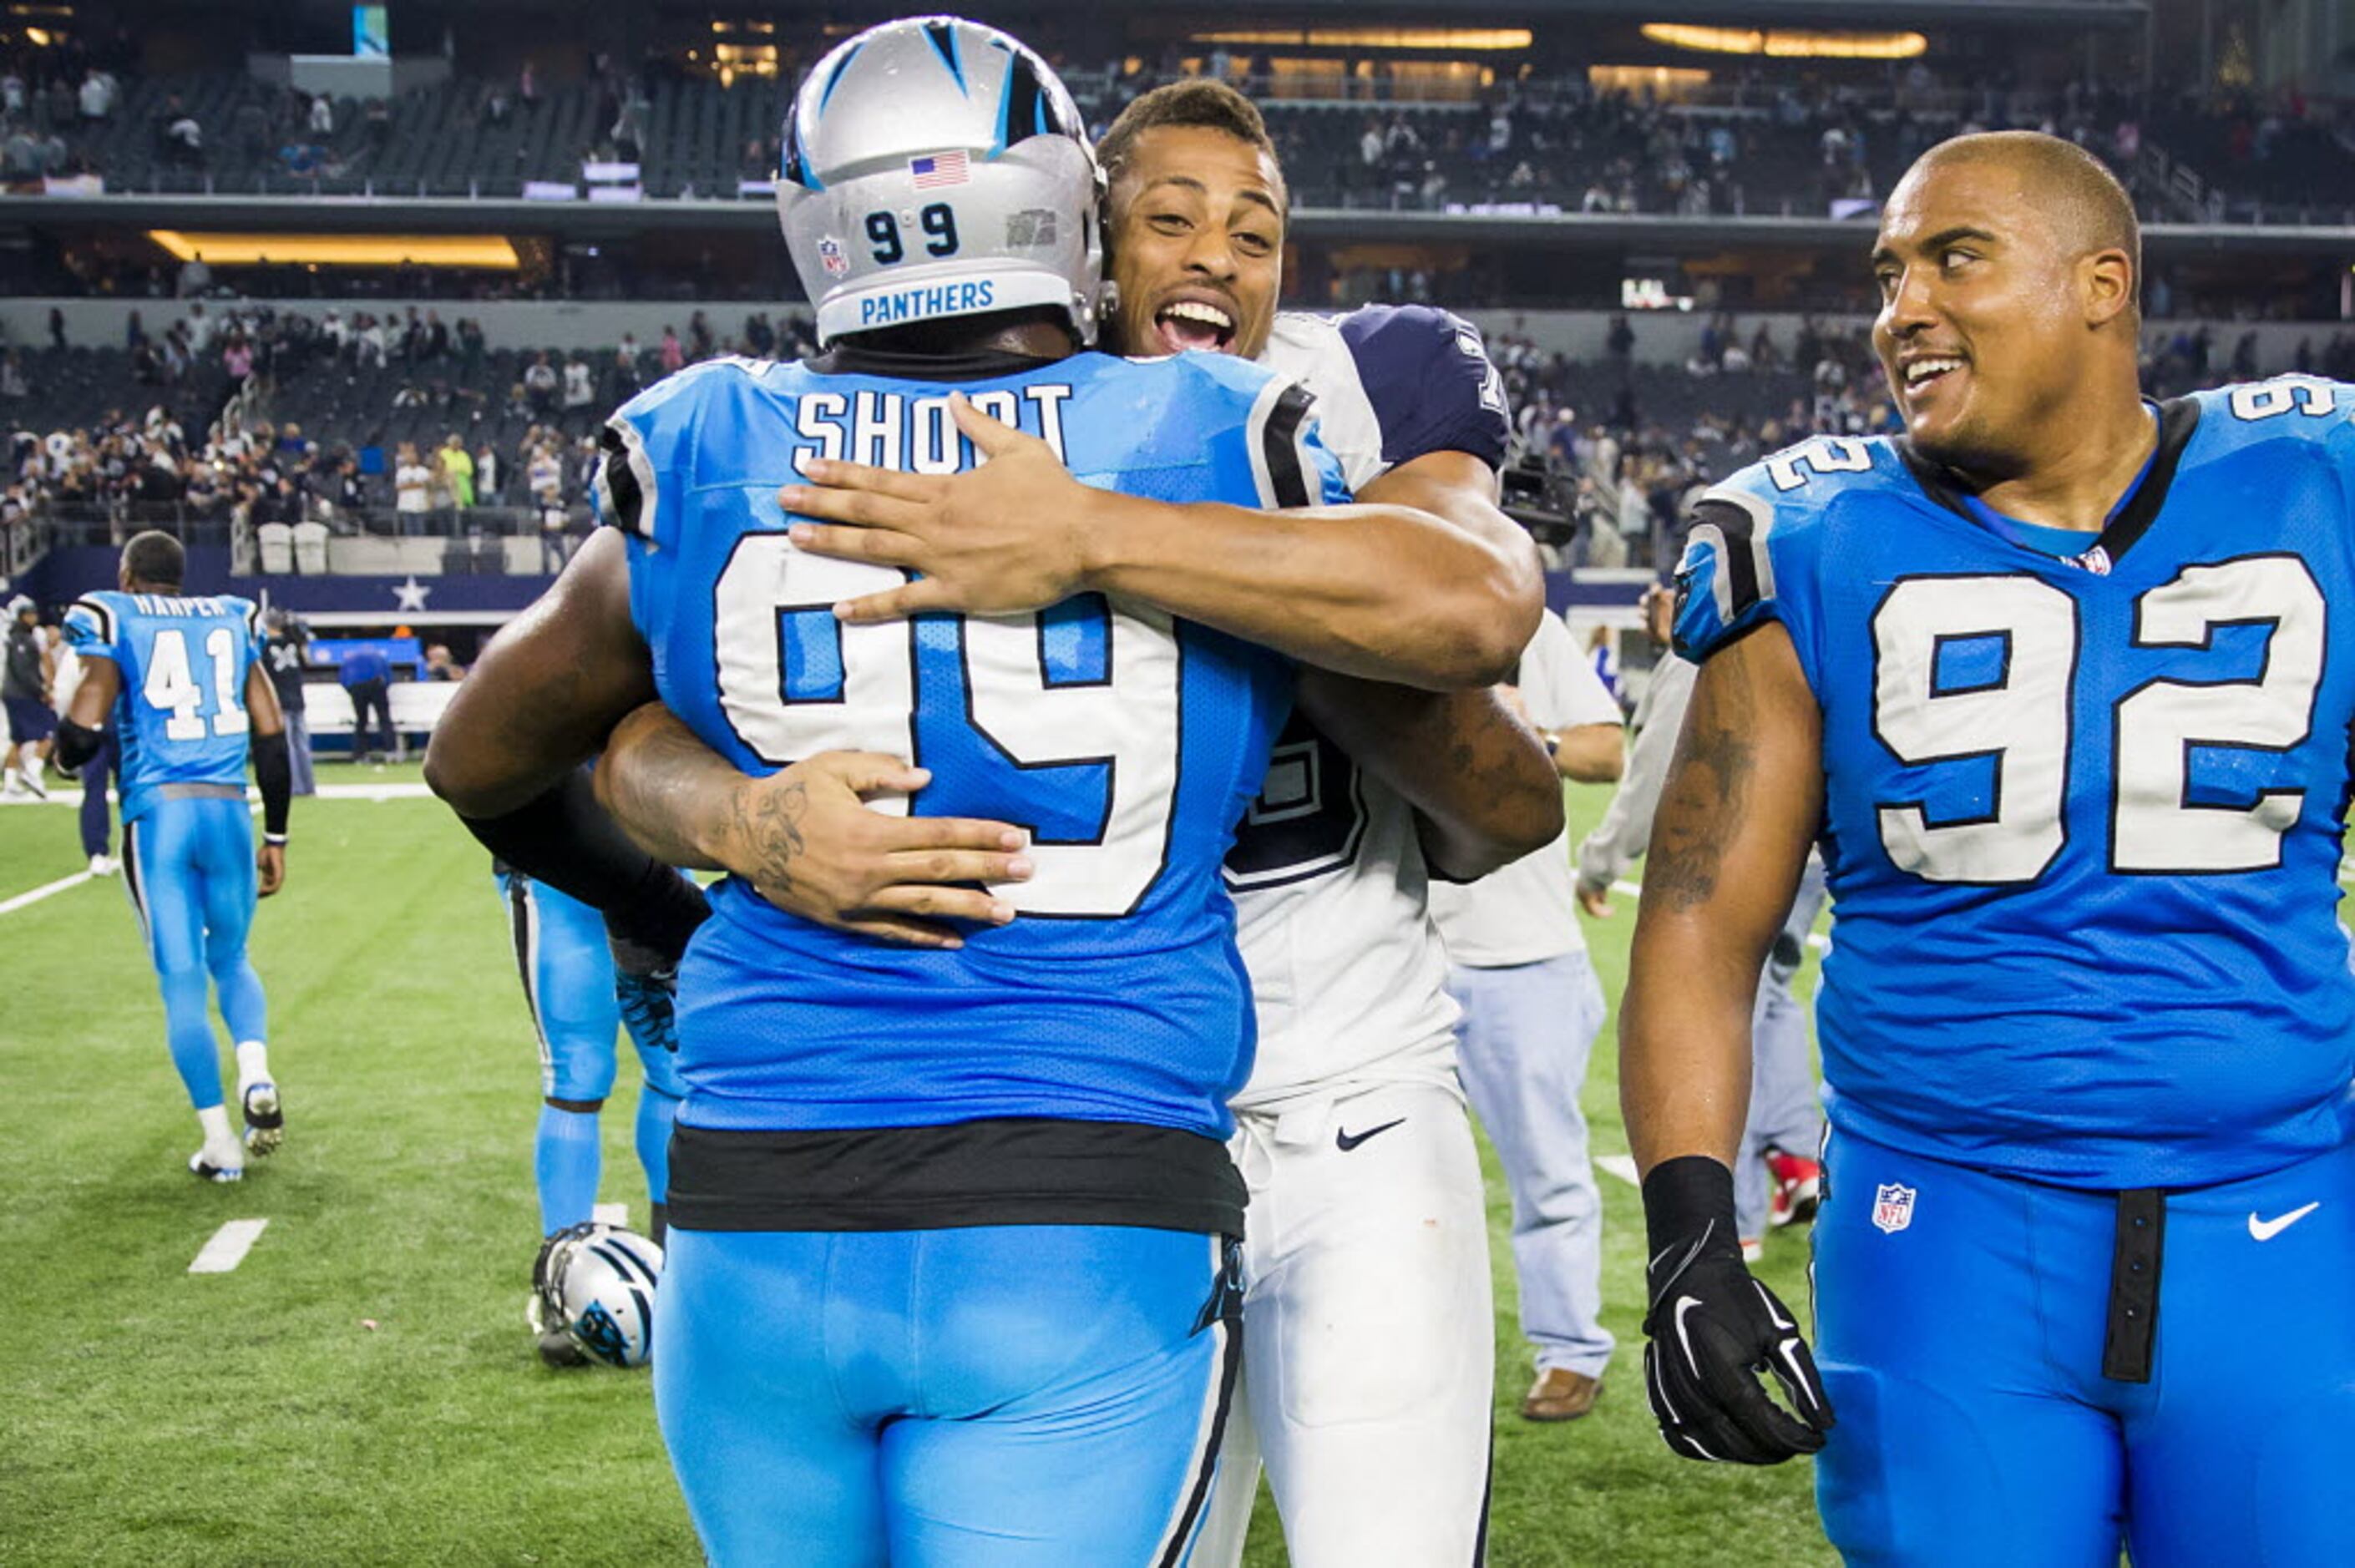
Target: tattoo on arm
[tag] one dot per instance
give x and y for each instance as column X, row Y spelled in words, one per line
column 665, row 792
column 1707, row 796
column 765, row 829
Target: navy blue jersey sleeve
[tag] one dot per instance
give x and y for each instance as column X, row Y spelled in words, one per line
column 1427, row 374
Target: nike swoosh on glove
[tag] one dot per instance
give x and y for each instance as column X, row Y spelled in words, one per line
column 1712, row 1330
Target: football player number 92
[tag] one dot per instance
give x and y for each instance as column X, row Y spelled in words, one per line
column 1977, row 667
column 795, row 683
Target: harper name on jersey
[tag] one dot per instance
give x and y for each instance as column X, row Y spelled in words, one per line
column 2084, row 798
column 1128, row 742
column 180, row 714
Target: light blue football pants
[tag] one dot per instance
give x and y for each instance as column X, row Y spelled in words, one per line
column 567, row 967
column 187, row 864
column 996, row 1396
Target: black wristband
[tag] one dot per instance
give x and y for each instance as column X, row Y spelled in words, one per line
column 76, row 744
column 565, row 839
column 660, row 916
column 1688, row 1200
column 274, row 771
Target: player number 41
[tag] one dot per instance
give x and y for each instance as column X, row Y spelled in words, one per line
column 173, row 686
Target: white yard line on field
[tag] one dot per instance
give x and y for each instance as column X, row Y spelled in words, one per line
column 10, row 906
column 611, row 1214
column 228, row 1246
column 389, row 790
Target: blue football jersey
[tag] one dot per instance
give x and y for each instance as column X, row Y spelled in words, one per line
column 1128, row 743
column 179, row 716
column 2084, row 798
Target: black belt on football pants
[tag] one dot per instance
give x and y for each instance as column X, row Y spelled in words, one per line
column 2130, row 1335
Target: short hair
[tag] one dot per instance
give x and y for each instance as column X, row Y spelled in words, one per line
column 1197, row 101
column 155, row 557
column 2089, row 202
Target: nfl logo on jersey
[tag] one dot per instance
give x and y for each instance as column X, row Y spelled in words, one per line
column 1893, row 1207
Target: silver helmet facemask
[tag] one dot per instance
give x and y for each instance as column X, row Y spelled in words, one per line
column 934, row 167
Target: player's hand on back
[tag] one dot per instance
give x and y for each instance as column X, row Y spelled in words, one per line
column 1713, row 1331
column 1004, row 537
column 270, row 866
column 808, row 842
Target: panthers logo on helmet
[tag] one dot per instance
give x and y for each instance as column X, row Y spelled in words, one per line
column 600, row 1335
column 935, row 167
column 597, row 1282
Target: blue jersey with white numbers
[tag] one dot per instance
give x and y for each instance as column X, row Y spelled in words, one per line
column 179, row 718
column 2084, row 798
column 1128, row 742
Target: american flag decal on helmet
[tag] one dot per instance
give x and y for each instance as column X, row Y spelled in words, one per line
column 938, row 169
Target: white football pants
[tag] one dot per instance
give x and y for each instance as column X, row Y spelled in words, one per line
column 1369, row 1334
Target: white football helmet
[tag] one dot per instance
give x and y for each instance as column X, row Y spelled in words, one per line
column 595, row 1284
column 935, row 167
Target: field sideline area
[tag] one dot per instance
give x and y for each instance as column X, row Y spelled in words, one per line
column 362, row 1390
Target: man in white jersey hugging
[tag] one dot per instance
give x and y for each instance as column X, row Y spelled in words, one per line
column 1369, row 1359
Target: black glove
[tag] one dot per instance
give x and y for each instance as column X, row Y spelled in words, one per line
column 645, row 984
column 1712, row 1329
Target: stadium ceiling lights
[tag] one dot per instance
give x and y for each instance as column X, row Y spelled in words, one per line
column 1787, row 43
column 490, row 251
column 1372, row 38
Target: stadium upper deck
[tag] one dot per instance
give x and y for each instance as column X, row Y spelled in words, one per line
column 1563, row 154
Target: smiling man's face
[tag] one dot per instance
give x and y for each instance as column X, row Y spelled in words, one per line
column 1987, row 287
column 1196, row 236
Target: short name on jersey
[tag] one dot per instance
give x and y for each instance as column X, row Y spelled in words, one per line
column 912, row 434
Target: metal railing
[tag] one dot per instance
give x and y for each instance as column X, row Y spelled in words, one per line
column 54, row 524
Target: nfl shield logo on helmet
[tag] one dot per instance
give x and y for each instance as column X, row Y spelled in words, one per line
column 830, row 256
column 1893, row 1207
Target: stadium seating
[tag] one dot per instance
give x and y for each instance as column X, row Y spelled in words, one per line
column 1769, row 155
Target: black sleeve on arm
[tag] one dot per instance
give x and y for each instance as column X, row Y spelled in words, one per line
column 566, row 839
column 76, row 744
column 273, row 769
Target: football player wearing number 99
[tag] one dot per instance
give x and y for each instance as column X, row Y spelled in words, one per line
column 2057, row 678
column 178, row 678
column 1367, row 1380
column 951, row 1270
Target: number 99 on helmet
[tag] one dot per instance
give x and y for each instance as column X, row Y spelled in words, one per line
column 934, row 167
column 595, row 1285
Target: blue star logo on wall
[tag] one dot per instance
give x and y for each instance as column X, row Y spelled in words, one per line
column 410, row 595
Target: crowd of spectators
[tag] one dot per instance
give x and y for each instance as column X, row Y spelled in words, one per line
column 394, row 423
column 1763, row 139
column 404, row 423
column 51, row 98
column 1623, row 445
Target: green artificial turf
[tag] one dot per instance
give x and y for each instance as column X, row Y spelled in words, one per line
column 362, row 1389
